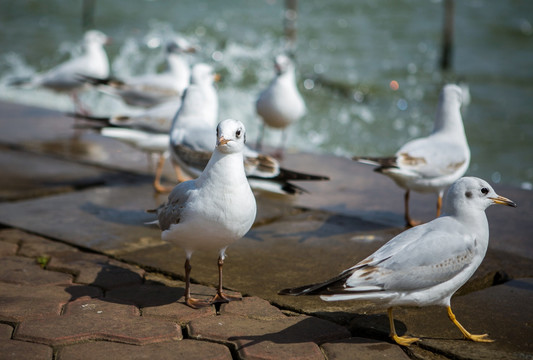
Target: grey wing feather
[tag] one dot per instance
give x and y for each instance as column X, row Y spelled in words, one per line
column 171, row 212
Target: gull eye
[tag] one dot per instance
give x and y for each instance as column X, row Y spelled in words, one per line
column 485, row 191
column 238, row 133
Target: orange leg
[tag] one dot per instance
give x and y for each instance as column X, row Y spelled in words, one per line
column 194, row 303
column 221, row 297
column 400, row 340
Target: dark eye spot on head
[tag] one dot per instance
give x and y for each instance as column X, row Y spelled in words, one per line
column 238, row 133
column 468, row 194
column 485, row 191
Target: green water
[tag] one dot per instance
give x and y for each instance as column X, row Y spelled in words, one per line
column 348, row 52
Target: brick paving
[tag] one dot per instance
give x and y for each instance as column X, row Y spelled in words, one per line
column 82, row 305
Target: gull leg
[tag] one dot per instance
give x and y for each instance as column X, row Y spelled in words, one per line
column 439, row 203
column 221, row 297
column 400, row 340
column 279, row 153
column 158, row 173
column 466, row 334
column 194, row 303
column 408, row 221
column 179, row 173
column 259, row 144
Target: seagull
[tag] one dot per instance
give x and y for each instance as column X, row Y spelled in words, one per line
column 191, row 144
column 424, row 265
column 153, row 89
column 214, row 210
column 67, row 77
column 280, row 104
column 430, row 164
column 146, row 130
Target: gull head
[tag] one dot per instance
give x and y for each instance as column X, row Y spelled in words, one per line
column 282, row 63
column 203, row 74
column 179, row 45
column 96, row 37
column 231, row 136
column 452, row 92
column 469, row 194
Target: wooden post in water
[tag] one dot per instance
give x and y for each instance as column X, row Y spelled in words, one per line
column 447, row 36
column 87, row 16
column 289, row 25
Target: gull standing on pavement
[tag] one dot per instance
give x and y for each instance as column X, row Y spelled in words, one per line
column 68, row 76
column 424, row 265
column 280, row 104
column 432, row 163
column 213, row 211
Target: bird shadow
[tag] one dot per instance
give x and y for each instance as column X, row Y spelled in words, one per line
column 302, row 332
column 121, row 285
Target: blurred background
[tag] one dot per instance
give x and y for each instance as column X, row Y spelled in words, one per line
column 369, row 71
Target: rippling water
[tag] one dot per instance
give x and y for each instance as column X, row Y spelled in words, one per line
column 347, row 51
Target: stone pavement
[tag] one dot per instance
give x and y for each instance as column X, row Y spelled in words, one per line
column 83, row 277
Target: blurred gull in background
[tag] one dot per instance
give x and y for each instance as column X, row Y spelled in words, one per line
column 68, row 76
column 280, row 104
column 152, row 89
column 432, row 163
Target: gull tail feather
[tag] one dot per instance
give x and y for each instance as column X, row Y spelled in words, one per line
column 381, row 162
column 320, row 288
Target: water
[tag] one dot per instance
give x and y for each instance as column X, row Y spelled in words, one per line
column 348, row 52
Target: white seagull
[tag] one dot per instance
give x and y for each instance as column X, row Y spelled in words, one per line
column 68, row 76
column 424, row 265
column 432, row 163
column 152, row 89
column 280, row 104
column 213, row 211
column 191, row 144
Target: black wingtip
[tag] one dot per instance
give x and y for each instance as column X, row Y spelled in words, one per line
column 294, row 175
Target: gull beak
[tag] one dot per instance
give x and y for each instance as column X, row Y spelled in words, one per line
column 191, row 50
column 222, row 141
column 217, row 77
column 500, row 200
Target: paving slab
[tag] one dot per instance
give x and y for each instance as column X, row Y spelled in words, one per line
column 28, row 175
column 356, row 348
column 184, row 349
column 94, row 319
column 503, row 312
column 22, row 302
column 26, row 271
column 31, row 245
column 15, row 350
column 288, row 338
column 97, row 270
column 7, row 249
column 102, row 219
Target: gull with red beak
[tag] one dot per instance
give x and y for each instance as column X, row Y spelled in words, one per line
column 214, row 210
